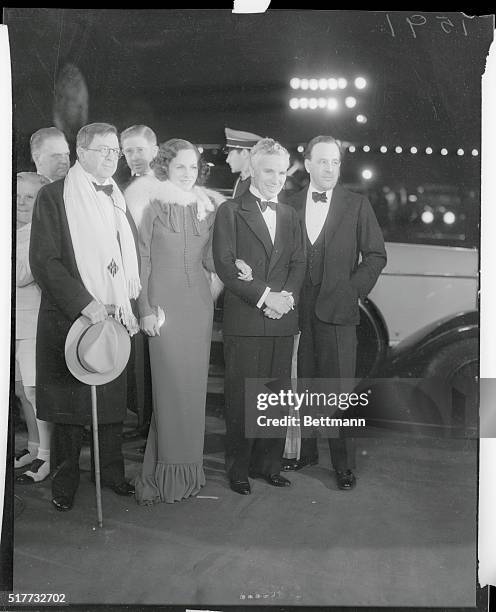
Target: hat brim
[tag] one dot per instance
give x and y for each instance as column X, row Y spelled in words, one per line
column 95, row 378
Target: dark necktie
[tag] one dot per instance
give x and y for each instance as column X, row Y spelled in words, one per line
column 319, row 197
column 107, row 189
column 264, row 204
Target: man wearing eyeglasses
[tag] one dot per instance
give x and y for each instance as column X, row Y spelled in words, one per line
column 50, row 153
column 345, row 255
column 83, row 257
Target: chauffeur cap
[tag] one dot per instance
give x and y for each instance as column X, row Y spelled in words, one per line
column 236, row 139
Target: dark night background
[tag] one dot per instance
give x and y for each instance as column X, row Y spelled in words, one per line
column 189, row 73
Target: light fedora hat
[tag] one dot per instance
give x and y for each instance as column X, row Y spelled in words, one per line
column 97, row 353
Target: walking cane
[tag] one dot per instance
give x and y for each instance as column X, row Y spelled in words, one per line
column 96, row 453
column 97, row 354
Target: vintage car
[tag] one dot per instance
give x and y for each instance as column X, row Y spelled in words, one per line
column 420, row 321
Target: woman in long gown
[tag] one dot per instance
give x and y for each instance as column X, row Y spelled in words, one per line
column 176, row 272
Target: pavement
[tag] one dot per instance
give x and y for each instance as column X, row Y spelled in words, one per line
column 405, row 536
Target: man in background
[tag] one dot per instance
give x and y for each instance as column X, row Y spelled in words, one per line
column 139, row 146
column 238, row 146
column 50, row 153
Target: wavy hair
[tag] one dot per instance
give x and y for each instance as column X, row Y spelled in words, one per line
column 168, row 150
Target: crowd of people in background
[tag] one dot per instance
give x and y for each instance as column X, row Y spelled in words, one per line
column 151, row 255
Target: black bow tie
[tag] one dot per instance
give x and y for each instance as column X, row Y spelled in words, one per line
column 107, row 189
column 319, row 197
column 264, row 204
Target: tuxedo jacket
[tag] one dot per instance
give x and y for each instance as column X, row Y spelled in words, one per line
column 354, row 254
column 240, row 232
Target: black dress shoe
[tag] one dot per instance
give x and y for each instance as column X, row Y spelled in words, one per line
column 63, row 503
column 346, row 479
column 124, row 488
column 293, row 465
column 276, row 480
column 240, row 486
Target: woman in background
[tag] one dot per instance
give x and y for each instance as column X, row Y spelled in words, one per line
column 176, row 276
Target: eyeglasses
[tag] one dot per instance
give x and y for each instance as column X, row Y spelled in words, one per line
column 104, row 151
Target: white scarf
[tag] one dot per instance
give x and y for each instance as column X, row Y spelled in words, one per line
column 108, row 272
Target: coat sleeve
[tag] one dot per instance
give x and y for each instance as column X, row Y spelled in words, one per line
column 372, row 251
column 297, row 264
column 62, row 288
column 145, row 236
column 224, row 252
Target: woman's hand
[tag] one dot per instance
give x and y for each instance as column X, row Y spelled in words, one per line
column 245, row 272
column 149, row 325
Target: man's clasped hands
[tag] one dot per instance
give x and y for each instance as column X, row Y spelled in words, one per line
column 277, row 303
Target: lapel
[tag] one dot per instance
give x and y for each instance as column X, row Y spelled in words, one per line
column 282, row 233
column 250, row 212
column 337, row 210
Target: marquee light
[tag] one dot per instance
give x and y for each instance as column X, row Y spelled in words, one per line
column 367, row 174
column 383, row 149
column 313, row 84
column 427, row 216
column 449, row 217
column 313, row 103
column 429, row 150
column 444, row 151
column 413, row 150
column 323, row 84
column 399, row 149
column 350, row 102
column 294, row 103
column 332, row 83
column 460, row 152
column 361, row 119
column 352, row 148
column 294, row 83
column 475, row 152
column 300, row 149
column 360, row 83
column 304, row 83
column 303, row 102
column 342, row 83
column 366, row 148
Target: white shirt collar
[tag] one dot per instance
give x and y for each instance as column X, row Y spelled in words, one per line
column 254, row 191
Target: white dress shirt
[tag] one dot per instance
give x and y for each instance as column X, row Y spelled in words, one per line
column 270, row 218
column 269, row 215
column 316, row 213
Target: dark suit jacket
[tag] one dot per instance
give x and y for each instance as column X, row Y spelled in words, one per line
column 60, row 397
column 352, row 232
column 240, row 232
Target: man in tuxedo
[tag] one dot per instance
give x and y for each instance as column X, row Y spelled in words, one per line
column 76, row 223
column 345, row 255
column 260, row 315
column 238, row 146
column 139, row 146
column 50, row 153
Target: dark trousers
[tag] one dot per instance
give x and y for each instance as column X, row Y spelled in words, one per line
column 326, row 351
column 252, row 357
column 69, row 442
